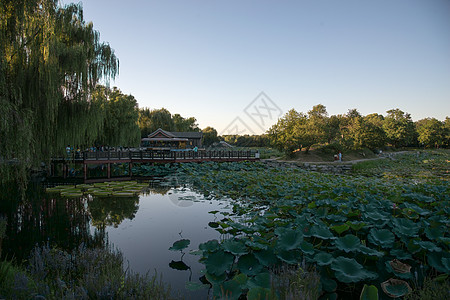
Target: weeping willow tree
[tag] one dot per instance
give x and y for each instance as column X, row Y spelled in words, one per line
column 51, row 61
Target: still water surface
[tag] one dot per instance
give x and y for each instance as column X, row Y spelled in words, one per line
column 142, row 227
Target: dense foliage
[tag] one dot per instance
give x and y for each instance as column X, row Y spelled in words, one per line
column 296, row 130
column 356, row 230
column 50, row 60
column 152, row 119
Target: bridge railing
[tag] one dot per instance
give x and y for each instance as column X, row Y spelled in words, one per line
column 165, row 155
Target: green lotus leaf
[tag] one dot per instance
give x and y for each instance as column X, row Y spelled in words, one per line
column 419, row 197
column 322, row 232
column 266, row 257
column 417, row 209
column 256, row 243
column 369, row 292
column 258, row 293
column 434, row 233
column 291, row 257
column 323, row 258
column 328, row 285
column 249, row 265
column 356, row 226
column 235, row 247
column 439, row 261
column 180, row 245
column 377, row 215
column 262, row 280
column 381, row 237
column 307, row 248
column 219, row 262
column 405, row 227
column 213, row 224
column 210, row 246
column 241, row 279
column 349, row 270
column 289, row 240
column 178, row 265
column 411, row 245
column 348, row 243
column 340, row 228
column 336, row 218
column 401, row 254
column 195, row 286
column 230, row 290
column 369, row 251
column 214, row 279
column 429, row 246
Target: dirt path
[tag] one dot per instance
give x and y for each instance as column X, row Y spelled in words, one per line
column 354, row 161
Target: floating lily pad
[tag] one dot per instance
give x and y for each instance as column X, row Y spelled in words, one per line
column 180, row 245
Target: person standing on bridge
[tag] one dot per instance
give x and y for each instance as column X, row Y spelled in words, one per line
column 195, row 151
column 68, row 151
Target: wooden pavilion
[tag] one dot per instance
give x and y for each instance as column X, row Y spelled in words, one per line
column 162, row 139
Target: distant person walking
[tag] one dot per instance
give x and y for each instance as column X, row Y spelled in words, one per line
column 340, row 156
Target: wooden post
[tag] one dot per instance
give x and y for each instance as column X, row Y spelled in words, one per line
column 130, row 169
column 109, row 170
column 85, row 171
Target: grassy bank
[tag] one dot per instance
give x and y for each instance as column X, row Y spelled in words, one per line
column 51, row 273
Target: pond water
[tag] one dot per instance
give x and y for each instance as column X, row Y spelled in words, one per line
column 142, row 227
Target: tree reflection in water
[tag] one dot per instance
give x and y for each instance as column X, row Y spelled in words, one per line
column 35, row 217
column 111, row 211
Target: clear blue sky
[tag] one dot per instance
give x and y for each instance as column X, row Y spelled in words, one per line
column 209, row 59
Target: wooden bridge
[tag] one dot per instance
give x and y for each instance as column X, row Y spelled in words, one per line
column 131, row 157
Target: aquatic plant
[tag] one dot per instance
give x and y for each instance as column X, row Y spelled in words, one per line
column 355, row 230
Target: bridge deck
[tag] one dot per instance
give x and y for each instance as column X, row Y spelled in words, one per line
column 152, row 156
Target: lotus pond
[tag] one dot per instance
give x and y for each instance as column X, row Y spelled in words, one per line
column 244, row 221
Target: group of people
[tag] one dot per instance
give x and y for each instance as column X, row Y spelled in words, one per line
column 76, row 152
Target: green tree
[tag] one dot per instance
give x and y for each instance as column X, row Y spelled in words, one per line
column 286, row 134
column 447, row 132
column 365, row 132
column 50, row 62
column 431, row 132
column 121, row 118
column 151, row 120
column 399, row 128
column 184, row 125
column 209, row 136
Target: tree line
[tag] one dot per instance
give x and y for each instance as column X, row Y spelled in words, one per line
column 297, row 130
